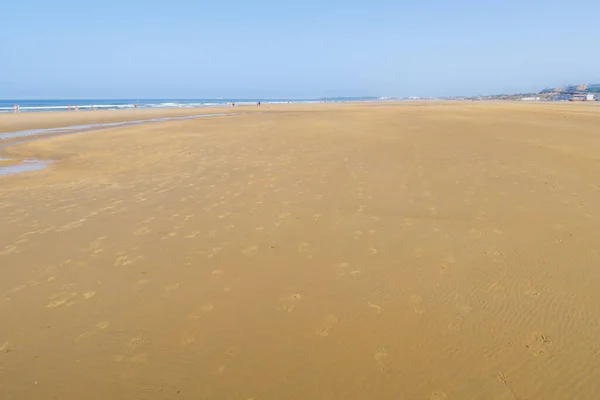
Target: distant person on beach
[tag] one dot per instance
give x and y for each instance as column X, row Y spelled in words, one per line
column 76, row 108
column 16, row 108
column 69, row 107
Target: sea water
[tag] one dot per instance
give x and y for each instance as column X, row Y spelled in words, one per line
column 7, row 106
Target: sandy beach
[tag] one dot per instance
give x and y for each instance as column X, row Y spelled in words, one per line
column 431, row 251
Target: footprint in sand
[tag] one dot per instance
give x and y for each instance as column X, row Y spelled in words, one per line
column 461, row 305
column 132, row 364
column 99, row 327
column 102, row 324
column 8, row 250
column 533, row 292
column 376, row 307
column 250, row 251
column 373, row 251
column 143, row 230
column 455, row 325
column 187, row 338
column 139, row 359
column 135, row 343
column 200, row 311
column 169, row 235
column 381, row 357
column 233, row 351
column 303, row 247
column 419, row 252
column 221, row 369
column 416, row 303
column 138, row 285
column 82, row 336
column 328, row 324
column 122, row 260
column 216, row 274
column 496, row 256
column 317, row 217
column 449, row 258
column 438, row 396
column 343, row 265
column 60, row 299
column 215, row 251
column 288, row 303
column 89, row 294
column 539, row 344
column 96, row 252
column 14, row 290
column 170, row 288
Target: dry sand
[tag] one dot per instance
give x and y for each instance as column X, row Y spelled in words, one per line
column 415, row 251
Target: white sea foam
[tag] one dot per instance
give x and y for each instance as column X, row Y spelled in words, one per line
column 67, row 107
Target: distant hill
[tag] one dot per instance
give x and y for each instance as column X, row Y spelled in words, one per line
column 360, row 98
column 585, row 88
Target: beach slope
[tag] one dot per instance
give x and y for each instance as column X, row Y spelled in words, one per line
column 402, row 251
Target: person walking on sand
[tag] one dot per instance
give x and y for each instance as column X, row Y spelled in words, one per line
column 17, row 109
column 69, row 107
column 76, row 108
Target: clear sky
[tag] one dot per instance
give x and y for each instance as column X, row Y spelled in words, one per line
column 288, row 49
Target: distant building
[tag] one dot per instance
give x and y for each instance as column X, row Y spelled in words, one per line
column 579, row 96
column 531, row 99
column 591, row 97
column 560, row 97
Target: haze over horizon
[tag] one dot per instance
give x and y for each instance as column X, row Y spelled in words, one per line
column 303, row 50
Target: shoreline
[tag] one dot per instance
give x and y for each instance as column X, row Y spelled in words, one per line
column 10, row 122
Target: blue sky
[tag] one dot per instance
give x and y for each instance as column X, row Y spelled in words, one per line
column 289, row 49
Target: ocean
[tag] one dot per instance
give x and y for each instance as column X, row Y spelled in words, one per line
column 7, row 106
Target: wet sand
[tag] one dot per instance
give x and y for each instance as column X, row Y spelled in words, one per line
column 41, row 120
column 411, row 251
